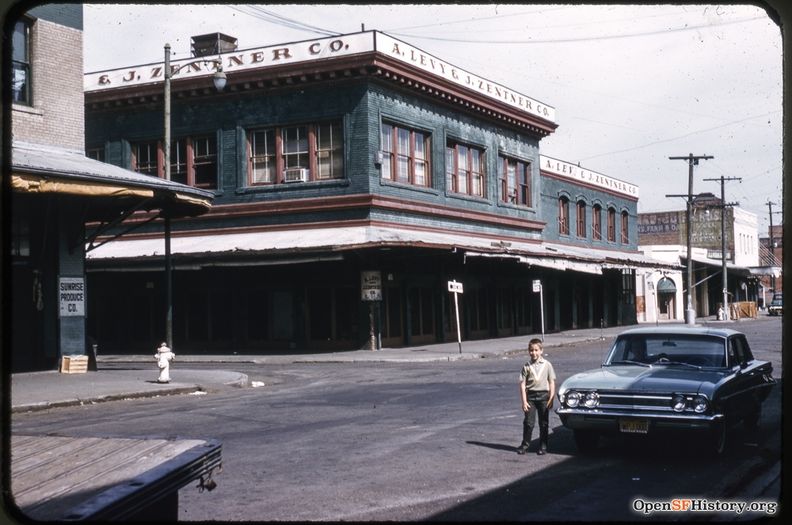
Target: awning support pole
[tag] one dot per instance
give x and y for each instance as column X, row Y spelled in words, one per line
column 168, row 285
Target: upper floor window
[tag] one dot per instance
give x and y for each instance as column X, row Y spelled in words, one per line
column 515, row 181
column 20, row 83
column 146, row 158
column 563, row 215
column 303, row 153
column 193, row 160
column 596, row 222
column 581, row 219
column 465, row 169
column 625, row 228
column 611, row 225
column 96, row 154
column 405, row 155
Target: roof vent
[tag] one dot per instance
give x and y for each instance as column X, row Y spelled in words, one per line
column 212, row 44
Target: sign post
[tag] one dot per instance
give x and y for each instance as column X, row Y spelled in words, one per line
column 371, row 292
column 456, row 289
column 537, row 287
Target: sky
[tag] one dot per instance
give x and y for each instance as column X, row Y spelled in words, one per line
column 632, row 85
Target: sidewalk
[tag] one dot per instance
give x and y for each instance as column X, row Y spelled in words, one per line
column 49, row 389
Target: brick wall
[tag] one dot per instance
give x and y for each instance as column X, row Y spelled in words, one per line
column 56, row 116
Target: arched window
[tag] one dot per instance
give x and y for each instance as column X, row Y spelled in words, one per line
column 563, row 215
column 611, row 225
column 581, row 219
column 625, row 228
column 596, row 222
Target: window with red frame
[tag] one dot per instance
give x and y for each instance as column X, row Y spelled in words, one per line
column 465, row 169
column 581, row 219
column 596, row 222
column 611, row 225
column 625, row 228
column 563, row 215
column 303, row 153
column 515, row 181
column 405, row 155
column 193, row 160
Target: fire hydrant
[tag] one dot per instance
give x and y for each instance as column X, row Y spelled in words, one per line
column 164, row 356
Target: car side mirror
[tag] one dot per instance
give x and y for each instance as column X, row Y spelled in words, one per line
column 743, row 365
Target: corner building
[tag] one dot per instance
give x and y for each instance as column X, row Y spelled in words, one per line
column 333, row 158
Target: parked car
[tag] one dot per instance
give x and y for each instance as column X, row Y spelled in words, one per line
column 776, row 306
column 673, row 378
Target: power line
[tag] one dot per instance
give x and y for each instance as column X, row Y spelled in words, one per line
column 274, row 18
column 581, row 39
column 679, row 137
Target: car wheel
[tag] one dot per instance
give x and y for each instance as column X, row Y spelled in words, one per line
column 718, row 439
column 586, row 441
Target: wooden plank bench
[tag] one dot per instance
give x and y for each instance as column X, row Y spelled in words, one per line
column 55, row 478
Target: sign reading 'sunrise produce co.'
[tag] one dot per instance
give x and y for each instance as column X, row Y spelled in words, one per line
column 312, row 50
column 71, row 296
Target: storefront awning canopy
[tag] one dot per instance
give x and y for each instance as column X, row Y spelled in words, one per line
column 240, row 247
column 44, row 169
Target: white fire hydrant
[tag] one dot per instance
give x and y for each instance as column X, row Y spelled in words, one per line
column 164, row 356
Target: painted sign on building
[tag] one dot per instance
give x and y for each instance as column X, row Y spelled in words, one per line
column 585, row 176
column 71, row 296
column 314, row 50
column 670, row 228
column 370, row 286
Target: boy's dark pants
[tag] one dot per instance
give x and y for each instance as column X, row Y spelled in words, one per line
column 538, row 403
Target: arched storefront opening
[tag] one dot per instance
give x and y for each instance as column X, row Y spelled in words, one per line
column 666, row 297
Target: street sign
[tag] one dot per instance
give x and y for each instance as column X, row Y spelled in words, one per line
column 456, row 289
column 537, row 287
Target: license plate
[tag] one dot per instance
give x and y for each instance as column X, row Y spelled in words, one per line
column 634, row 426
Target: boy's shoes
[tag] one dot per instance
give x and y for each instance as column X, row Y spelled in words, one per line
column 541, row 452
column 522, row 449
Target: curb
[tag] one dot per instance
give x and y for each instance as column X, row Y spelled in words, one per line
column 240, row 382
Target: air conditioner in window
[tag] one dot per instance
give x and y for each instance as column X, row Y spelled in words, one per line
column 295, row 175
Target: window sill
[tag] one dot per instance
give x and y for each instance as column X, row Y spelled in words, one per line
column 24, row 108
column 292, row 186
column 466, row 197
column 513, row 206
column 422, row 189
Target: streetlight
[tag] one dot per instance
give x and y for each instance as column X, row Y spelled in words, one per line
column 219, row 81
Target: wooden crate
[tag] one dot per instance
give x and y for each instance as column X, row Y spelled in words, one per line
column 74, row 364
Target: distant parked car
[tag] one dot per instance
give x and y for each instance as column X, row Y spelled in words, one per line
column 776, row 306
column 673, row 378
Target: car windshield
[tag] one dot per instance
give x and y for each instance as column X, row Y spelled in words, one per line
column 671, row 349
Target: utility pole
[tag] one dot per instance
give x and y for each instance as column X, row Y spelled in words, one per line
column 692, row 160
column 723, row 205
column 772, row 240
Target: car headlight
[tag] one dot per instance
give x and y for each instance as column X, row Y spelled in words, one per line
column 572, row 399
column 678, row 403
column 700, row 404
column 591, row 400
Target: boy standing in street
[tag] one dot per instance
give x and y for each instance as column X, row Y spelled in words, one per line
column 537, row 389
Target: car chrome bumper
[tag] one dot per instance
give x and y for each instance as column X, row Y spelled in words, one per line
column 576, row 418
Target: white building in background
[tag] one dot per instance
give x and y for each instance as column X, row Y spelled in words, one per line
column 663, row 236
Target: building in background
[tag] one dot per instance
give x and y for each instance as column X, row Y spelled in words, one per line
column 663, row 235
column 771, row 254
column 54, row 189
column 354, row 177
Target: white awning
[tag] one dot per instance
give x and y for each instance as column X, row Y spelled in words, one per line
column 308, row 241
